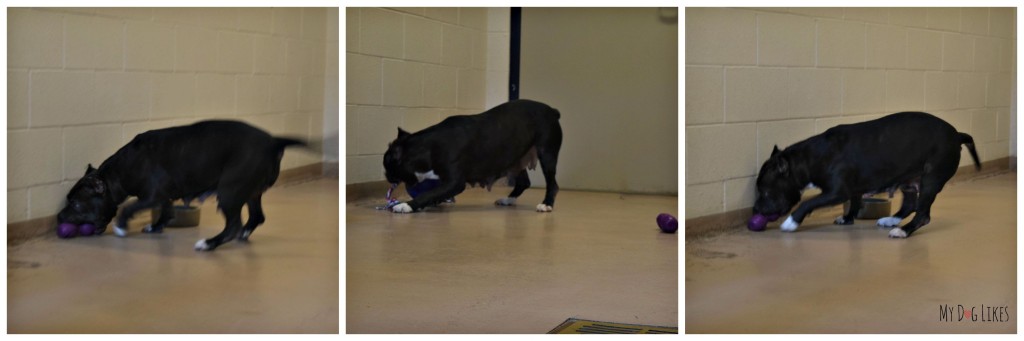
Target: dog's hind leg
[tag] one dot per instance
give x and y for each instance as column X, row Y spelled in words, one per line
column 931, row 184
column 166, row 214
column 232, row 210
column 547, row 151
column 522, row 182
column 235, row 188
column 908, row 207
column 548, row 155
column 256, row 217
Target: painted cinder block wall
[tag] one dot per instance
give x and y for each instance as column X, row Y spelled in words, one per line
column 760, row 77
column 82, row 82
column 409, row 68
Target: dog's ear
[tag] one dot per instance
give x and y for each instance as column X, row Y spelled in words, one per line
column 402, row 133
column 782, row 165
column 394, row 153
column 775, row 150
column 89, row 169
column 89, row 184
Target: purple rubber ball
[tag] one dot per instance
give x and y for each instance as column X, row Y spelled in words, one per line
column 67, row 230
column 667, row 223
column 87, row 229
column 773, row 217
column 758, row 222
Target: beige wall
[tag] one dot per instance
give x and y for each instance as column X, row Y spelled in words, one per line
column 409, row 68
column 760, row 77
column 499, row 21
column 613, row 74
column 82, row 82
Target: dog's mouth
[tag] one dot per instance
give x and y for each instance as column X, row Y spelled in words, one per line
column 100, row 222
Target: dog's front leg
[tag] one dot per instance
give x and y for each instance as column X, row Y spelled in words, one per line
column 829, row 198
column 121, row 226
column 166, row 214
column 448, row 189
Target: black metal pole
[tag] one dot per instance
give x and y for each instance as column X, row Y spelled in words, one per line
column 513, row 67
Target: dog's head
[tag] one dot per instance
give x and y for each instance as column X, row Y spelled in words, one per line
column 404, row 159
column 778, row 187
column 89, row 202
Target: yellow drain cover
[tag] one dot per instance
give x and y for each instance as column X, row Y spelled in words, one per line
column 577, row 326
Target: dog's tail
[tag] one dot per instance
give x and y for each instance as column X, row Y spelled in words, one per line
column 280, row 143
column 968, row 141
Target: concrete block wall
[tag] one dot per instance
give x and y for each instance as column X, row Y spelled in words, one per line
column 409, row 68
column 774, row 76
column 82, row 82
column 499, row 32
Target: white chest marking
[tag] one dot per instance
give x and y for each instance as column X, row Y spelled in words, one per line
column 428, row 175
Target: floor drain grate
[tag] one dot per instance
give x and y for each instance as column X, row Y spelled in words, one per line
column 577, row 326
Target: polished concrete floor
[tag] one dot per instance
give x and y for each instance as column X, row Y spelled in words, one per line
column 854, row 279
column 476, row 268
column 285, row 280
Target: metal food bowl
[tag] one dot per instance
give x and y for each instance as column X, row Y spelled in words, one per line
column 872, row 208
column 184, row 216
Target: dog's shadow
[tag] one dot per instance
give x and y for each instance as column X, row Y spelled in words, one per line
column 447, row 208
column 177, row 242
column 864, row 226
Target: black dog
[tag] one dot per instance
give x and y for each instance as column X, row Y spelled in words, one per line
column 478, row 149
column 912, row 151
column 233, row 160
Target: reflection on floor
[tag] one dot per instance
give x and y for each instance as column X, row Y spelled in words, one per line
column 476, row 268
column 854, row 279
column 284, row 281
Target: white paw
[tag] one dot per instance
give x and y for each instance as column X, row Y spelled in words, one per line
column 897, row 233
column 505, row 202
column 889, row 221
column 544, row 208
column 245, row 234
column 789, row 225
column 120, row 231
column 402, row 208
column 201, row 245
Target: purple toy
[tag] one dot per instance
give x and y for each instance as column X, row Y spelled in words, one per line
column 67, row 230
column 389, row 201
column 758, row 222
column 667, row 223
column 86, row 229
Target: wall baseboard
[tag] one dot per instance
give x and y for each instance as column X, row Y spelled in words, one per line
column 19, row 232
column 714, row 224
column 368, row 190
column 301, row 174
